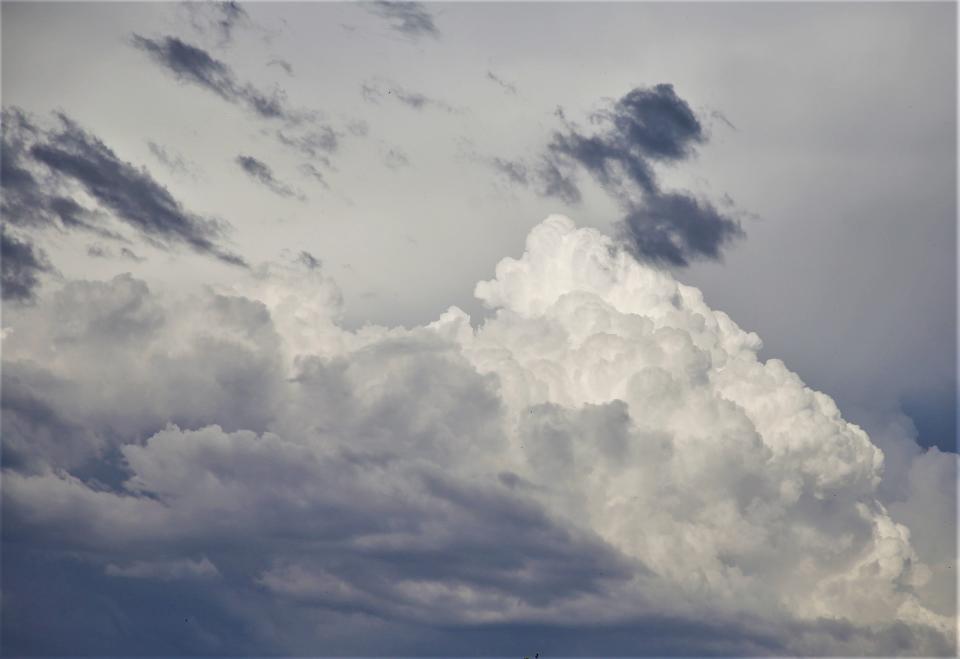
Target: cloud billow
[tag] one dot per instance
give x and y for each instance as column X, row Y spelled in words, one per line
column 604, row 454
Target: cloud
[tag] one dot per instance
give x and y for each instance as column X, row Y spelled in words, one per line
column 515, row 171
column 302, row 129
column 374, row 92
column 22, row 265
column 317, row 144
column 176, row 163
column 165, row 570
column 508, row 87
column 281, row 64
column 603, row 460
column 220, row 18
column 129, row 193
column 100, row 251
column 191, row 64
column 309, row 170
column 396, row 158
column 645, row 127
column 411, row 19
column 260, row 171
column 47, row 168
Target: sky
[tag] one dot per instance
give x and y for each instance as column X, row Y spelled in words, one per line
column 479, row 328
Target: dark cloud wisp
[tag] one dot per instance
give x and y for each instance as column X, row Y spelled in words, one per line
column 261, row 171
column 190, row 64
column 645, row 127
column 46, row 167
column 21, row 263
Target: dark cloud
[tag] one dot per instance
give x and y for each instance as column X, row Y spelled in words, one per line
column 674, row 227
column 44, row 168
column 260, row 171
column 410, row 19
column 22, row 264
column 644, row 127
column 188, row 63
column 504, row 85
column 129, row 193
column 374, row 92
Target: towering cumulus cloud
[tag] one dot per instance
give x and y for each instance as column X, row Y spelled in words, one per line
column 604, row 466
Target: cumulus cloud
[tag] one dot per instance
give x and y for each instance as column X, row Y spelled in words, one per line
column 411, row 19
column 603, row 461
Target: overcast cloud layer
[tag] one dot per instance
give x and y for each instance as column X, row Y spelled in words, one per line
column 292, row 363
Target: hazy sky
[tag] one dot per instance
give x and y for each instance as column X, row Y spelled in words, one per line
column 298, row 190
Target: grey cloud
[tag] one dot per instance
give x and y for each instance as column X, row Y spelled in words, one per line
column 374, row 92
column 515, row 171
column 504, row 85
column 165, row 570
column 99, row 251
column 281, row 64
column 260, row 171
column 22, row 265
column 309, row 170
column 219, row 18
column 129, row 193
column 410, row 19
column 188, row 63
column 175, row 162
column 645, row 126
column 309, row 260
column 318, row 143
column 395, row 158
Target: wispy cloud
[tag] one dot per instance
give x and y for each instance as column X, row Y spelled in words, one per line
column 260, row 171
column 411, row 19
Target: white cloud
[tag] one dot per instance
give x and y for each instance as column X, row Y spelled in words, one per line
column 604, row 450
